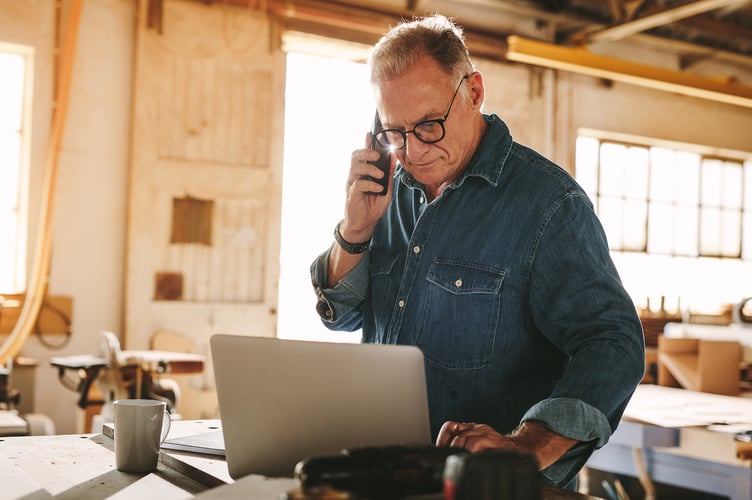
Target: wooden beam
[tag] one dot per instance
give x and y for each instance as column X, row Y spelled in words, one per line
column 415, row 5
column 617, row 10
column 366, row 22
column 580, row 60
column 668, row 16
column 631, row 7
column 362, row 25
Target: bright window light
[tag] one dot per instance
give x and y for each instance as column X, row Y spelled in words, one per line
column 13, row 66
column 678, row 221
column 329, row 108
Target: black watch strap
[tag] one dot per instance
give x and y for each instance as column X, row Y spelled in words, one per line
column 353, row 248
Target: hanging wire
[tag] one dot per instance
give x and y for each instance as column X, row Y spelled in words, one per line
column 68, row 332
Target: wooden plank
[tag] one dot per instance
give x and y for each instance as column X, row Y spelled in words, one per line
column 16, row 482
column 683, row 367
column 581, row 60
column 700, row 365
column 62, row 464
column 718, row 366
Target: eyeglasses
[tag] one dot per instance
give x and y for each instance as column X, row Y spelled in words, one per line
column 429, row 131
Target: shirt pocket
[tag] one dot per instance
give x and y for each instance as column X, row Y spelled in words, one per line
column 460, row 316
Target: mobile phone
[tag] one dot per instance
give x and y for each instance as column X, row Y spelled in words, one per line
column 384, row 161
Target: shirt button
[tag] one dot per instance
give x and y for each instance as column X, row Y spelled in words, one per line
column 416, row 249
column 458, row 283
column 401, row 304
column 422, row 200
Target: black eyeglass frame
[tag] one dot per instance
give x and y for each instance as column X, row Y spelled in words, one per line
column 383, row 139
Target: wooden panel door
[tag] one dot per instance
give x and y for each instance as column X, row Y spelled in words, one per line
column 205, row 184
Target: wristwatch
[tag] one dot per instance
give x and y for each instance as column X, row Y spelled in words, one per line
column 352, row 248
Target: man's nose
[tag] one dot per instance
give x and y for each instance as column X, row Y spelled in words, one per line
column 414, row 147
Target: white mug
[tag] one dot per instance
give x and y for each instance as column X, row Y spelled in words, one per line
column 141, row 425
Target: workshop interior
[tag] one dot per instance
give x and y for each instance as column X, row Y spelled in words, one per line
column 159, row 161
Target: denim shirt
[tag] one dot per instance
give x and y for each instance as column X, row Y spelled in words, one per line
column 506, row 284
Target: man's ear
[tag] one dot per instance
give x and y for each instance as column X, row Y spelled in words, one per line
column 477, row 89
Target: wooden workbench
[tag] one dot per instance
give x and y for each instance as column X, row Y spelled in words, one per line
column 682, row 438
column 83, row 466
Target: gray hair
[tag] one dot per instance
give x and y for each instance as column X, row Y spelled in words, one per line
column 435, row 36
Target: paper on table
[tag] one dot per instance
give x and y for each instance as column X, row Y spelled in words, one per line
column 210, row 443
column 672, row 407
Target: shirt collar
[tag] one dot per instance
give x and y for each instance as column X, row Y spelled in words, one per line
column 488, row 160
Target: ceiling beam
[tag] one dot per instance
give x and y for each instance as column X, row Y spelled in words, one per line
column 581, row 60
column 414, row 5
column 617, row 10
column 358, row 23
column 668, row 16
column 631, row 7
column 361, row 25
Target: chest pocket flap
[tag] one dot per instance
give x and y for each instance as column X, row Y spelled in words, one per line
column 461, row 277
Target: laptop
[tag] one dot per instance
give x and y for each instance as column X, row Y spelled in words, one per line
column 281, row 401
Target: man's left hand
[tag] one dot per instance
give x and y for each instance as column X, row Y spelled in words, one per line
column 530, row 437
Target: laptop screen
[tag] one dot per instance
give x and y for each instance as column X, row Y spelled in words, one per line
column 282, row 401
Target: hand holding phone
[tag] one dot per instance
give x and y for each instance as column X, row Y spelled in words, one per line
column 385, row 160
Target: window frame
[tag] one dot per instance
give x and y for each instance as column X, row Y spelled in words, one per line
column 706, row 155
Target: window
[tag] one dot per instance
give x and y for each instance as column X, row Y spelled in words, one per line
column 678, row 217
column 14, row 66
column 667, row 201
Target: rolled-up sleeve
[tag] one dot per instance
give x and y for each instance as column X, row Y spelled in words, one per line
column 340, row 307
column 576, row 420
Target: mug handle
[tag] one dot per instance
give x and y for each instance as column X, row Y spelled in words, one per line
column 166, row 424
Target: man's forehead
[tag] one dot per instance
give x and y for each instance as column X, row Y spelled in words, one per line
column 406, row 101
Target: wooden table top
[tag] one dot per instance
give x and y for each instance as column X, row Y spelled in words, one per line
column 83, row 466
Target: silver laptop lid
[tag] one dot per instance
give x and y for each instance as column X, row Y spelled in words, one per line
column 281, row 401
